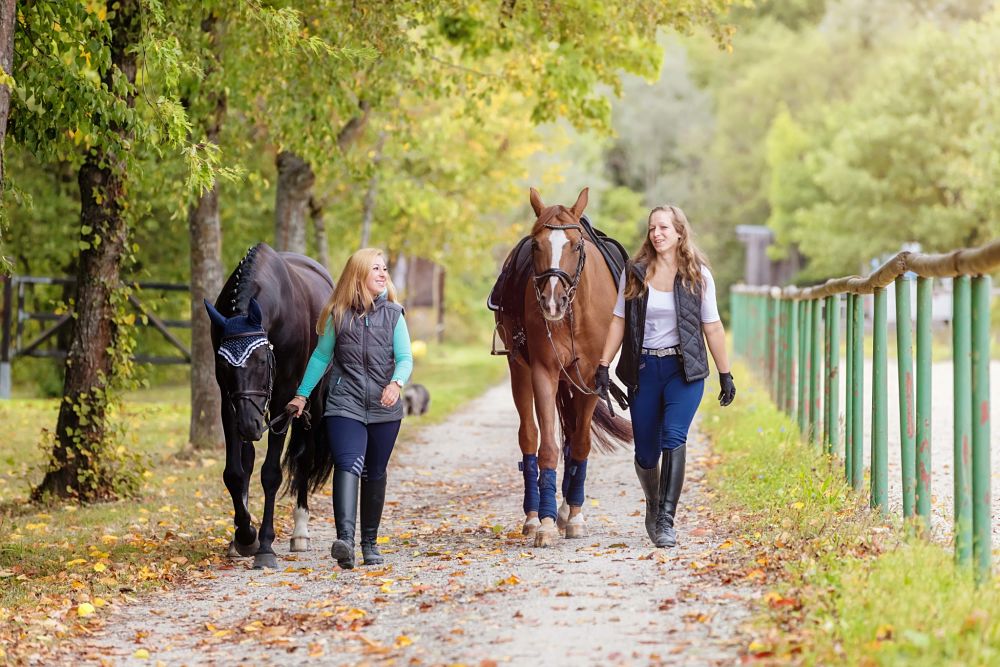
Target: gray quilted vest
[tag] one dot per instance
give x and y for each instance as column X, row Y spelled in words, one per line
column 363, row 364
column 694, row 356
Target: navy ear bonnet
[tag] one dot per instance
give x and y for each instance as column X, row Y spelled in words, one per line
column 241, row 334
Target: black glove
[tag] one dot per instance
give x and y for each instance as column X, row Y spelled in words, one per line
column 728, row 392
column 602, row 381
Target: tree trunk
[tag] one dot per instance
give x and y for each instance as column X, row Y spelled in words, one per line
column 319, row 232
column 76, row 465
column 295, row 182
column 369, row 203
column 7, row 17
column 206, row 281
column 400, row 273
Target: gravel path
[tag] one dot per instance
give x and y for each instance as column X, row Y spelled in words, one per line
column 942, row 454
column 460, row 585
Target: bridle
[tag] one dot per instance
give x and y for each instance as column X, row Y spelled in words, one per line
column 251, row 394
column 570, row 284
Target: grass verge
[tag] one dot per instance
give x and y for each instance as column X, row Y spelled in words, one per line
column 63, row 566
column 845, row 588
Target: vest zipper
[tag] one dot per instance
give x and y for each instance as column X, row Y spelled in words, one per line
column 364, row 357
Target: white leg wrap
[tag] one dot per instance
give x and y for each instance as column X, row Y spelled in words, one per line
column 301, row 522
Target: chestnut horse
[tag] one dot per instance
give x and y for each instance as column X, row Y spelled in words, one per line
column 568, row 305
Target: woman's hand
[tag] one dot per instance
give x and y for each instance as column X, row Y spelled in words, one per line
column 602, row 381
column 296, row 406
column 728, row 392
column 390, row 395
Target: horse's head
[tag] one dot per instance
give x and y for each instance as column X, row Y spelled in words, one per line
column 557, row 254
column 244, row 368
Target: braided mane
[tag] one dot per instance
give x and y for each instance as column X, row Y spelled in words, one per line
column 239, row 292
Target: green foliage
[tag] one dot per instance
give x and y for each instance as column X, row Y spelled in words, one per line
column 903, row 157
column 830, row 118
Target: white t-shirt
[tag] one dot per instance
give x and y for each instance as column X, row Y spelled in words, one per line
column 661, row 313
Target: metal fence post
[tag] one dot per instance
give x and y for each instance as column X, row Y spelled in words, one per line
column 802, row 393
column 981, row 520
column 832, row 400
column 904, row 367
column 815, row 368
column 924, row 383
column 849, row 394
column 880, row 412
column 858, row 389
column 962, row 364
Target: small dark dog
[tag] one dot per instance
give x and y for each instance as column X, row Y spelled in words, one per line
column 416, row 399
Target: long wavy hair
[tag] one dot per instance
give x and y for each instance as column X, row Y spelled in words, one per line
column 350, row 296
column 690, row 258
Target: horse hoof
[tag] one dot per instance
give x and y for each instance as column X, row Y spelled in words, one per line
column 299, row 544
column 562, row 516
column 237, row 550
column 546, row 534
column 576, row 527
column 261, row 561
column 530, row 526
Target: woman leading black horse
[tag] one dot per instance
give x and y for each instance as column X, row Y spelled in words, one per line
column 365, row 345
column 666, row 310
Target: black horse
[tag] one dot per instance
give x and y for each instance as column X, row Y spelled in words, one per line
column 263, row 332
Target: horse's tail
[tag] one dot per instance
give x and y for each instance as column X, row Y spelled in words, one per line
column 609, row 433
column 308, row 460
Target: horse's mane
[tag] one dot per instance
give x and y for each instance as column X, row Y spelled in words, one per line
column 241, row 288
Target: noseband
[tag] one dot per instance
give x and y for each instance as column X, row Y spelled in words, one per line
column 250, row 394
column 569, row 283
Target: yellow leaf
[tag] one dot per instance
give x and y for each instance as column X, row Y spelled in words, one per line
column 382, row 540
column 798, row 505
column 402, row 641
column 75, row 561
column 99, row 602
column 728, row 544
column 594, row 503
column 84, row 609
column 100, row 567
column 141, row 654
column 757, row 647
column 355, row 614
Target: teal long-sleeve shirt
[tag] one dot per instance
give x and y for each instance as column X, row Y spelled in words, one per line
column 321, row 356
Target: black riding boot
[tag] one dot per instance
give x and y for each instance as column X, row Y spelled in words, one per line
column 345, row 512
column 649, row 479
column 372, row 501
column 671, row 483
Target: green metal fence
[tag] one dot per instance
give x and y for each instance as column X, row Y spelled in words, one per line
column 783, row 333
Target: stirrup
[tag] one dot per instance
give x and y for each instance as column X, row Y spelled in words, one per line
column 502, row 350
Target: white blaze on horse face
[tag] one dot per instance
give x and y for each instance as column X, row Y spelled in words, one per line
column 558, row 241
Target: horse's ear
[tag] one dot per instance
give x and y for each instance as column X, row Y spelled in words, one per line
column 254, row 316
column 536, row 202
column 581, row 204
column 218, row 319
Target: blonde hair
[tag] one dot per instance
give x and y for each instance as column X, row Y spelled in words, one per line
column 690, row 258
column 350, row 295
